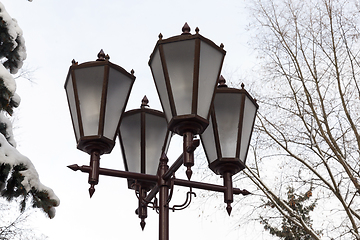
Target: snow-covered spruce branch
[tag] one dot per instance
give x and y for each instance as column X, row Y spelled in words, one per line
column 30, row 183
column 18, row 176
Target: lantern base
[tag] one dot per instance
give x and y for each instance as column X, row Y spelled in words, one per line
column 101, row 144
column 232, row 165
column 188, row 123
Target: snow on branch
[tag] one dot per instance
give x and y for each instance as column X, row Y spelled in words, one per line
column 12, row 45
column 28, row 182
column 18, row 176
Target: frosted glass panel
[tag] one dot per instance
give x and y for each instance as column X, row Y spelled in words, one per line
column 89, row 84
column 156, row 129
column 71, row 101
column 180, row 63
column 131, row 136
column 208, row 140
column 210, row 65
column 118, row 88
column 249, row 117
column 158, row 75
column 227, row 107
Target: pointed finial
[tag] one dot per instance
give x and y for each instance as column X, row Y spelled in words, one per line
column 142, row 224
column 197, row 30
column 132, row 71
column 101, row 56
column 188, row 172
column 221, row 82
column 186, row 29
column 245, row 192
column 74, row 62
column 107, row 57
column 160, row 36
column 228, row 208
column 144, row 102
column 242, row 85
column 221, row 45
column 92, row 190
column 74, row 167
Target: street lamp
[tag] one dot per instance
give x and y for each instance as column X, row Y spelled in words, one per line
column 226, row 140
column 97, row 94
column 186, row 70
column 143, row 135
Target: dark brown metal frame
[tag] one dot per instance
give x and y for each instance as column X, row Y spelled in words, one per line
column 97, row 142
column 185, row 125
column 191, row 122
column 232, row 165
column 143, row 111
column 163, row 182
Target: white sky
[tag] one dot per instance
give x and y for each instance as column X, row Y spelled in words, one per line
column 58, row 31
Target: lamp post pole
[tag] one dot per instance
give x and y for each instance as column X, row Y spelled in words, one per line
column 164, row 196
column 186, row 70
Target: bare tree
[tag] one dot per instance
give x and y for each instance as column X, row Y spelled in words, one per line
column 308, row 122
column 15, row 224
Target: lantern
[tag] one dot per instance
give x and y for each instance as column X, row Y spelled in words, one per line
column 143, row 136
column 97, row 94
column 185, row 69
column 226, row 141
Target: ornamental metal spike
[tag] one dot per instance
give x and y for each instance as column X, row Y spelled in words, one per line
column 142, row 224
column 185, row 29
column 222, row 82
column 245, row 192
column 92, row 190
column 144, row 102
column 228, row 208
column 101, row 56
column 74, row 167
column 188, row 172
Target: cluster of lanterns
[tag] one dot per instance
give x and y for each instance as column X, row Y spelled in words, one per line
column 194, row 97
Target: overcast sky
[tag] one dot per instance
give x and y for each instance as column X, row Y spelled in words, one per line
column 57, row 32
